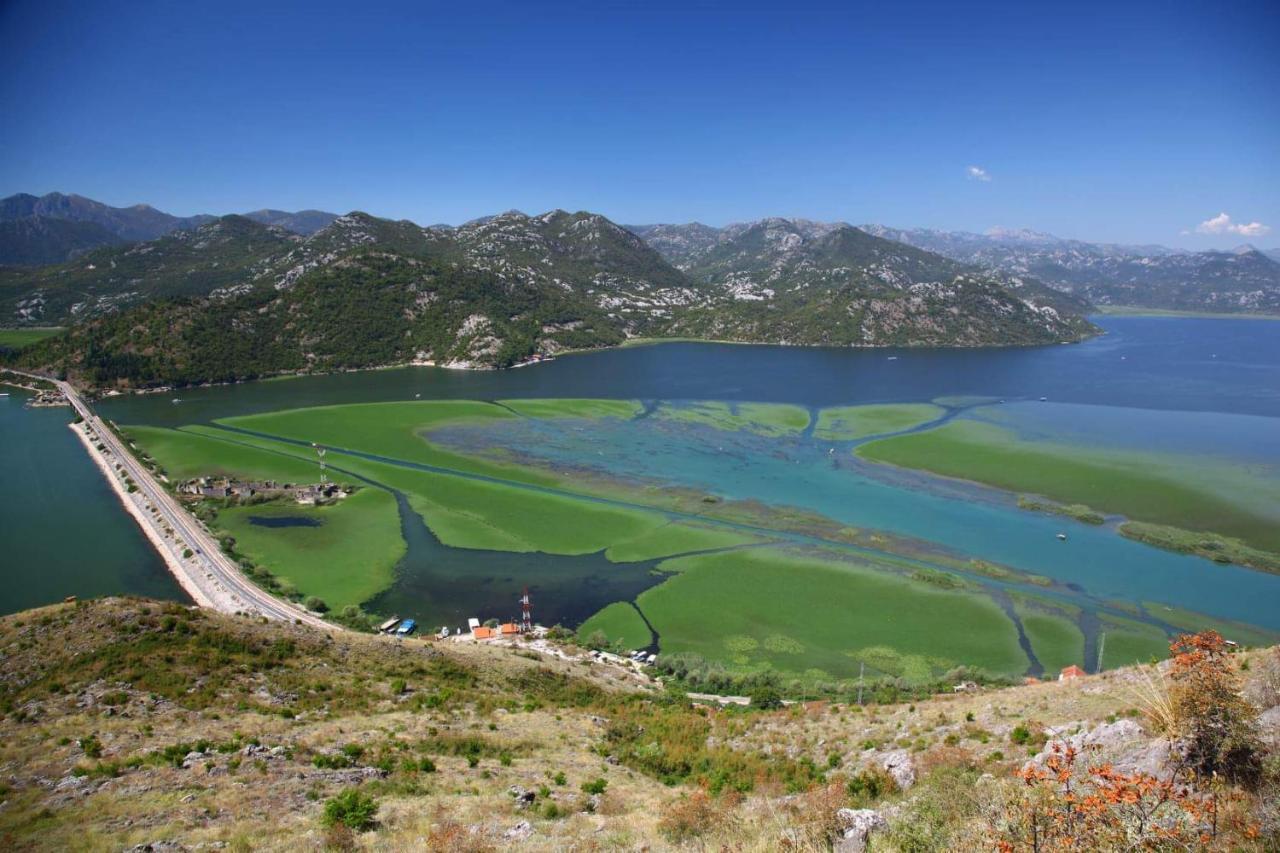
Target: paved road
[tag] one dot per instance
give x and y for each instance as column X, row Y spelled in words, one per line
column 215, row 574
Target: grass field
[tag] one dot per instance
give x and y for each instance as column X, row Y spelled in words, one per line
column 1128, row 642
column 620, row 623
column 1056, row 640
column 846, row 423
column 1131, row 484
column 19, row 338
column 676, row 538
column 393, row 430
column 570, row 408
column 198, row 451
column 773, row 419
column 347, row 559
column 765, row 608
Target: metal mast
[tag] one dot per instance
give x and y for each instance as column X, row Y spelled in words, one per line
column 320, row 451
column 526, row 612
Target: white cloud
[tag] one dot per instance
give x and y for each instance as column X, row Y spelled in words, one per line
column 1222, row 224
column 977, row 173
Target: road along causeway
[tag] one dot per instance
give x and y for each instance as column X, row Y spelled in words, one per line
column 209, row 576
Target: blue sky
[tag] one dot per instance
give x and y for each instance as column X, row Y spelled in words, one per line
column 1131, row 122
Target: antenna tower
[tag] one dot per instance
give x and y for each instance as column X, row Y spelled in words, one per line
column 320, row 451
column 526, row 611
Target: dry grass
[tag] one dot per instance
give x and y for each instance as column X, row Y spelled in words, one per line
column 520, row 719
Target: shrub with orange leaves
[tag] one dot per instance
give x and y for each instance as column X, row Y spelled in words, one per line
column 1066, row 806
column 1215, row 723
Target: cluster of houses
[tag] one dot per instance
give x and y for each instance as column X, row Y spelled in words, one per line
column 223, row 487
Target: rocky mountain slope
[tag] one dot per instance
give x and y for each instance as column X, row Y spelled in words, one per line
column 236, row 299
column 830, row 283
column 1242, row 281
column 191, row 262
column 132, row 724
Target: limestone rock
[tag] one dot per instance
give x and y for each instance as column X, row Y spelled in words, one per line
column 856, row 827
column 901, row 767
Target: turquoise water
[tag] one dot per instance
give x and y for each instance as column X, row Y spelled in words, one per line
column 825, row 477
column 62, row 529
column 1126, row 387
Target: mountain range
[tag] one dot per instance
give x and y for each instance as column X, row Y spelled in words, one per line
column 52, row 228
column 234, row 298
column 155, row 299
column 1244, row 280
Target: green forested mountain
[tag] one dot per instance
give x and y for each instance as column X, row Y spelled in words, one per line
column 226, row 252
column 806, row 282
column 35, row 240
column 238, row 299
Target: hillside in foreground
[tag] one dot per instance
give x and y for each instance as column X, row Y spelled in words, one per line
column 129, row 722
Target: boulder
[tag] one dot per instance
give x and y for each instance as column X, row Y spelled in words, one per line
column 856, row 826
column 1123, row 744
column 520, row 832
column 901, row 767
column 1269, row 727
column 523, row 797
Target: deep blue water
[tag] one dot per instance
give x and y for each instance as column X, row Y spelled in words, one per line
column 1142, row 362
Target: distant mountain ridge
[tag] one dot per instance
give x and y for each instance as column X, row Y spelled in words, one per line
column 835, row 284
column 1244, row 280
column 235, row 299
column 52, row 228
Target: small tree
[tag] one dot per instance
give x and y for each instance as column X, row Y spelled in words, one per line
column 765, row 697
column 316, row 604
column 353, row 809
column 1211, row 715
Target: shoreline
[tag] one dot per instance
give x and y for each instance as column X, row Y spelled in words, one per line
column 166, row 548
column 1174, row 313
column 629, row 343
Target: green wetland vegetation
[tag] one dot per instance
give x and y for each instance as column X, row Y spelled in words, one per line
column 1141, row 486
column 19, row 338
column 741, row 585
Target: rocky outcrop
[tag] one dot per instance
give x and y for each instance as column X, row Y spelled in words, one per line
column 1124, row 745
column 857, row 825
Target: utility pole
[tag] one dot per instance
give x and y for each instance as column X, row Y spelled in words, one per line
column 1102, row 644
column 862, row 668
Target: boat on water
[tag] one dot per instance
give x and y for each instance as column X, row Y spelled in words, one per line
column 175, row 400
column 1062, row 537
column 406, row 628
column 386, row 627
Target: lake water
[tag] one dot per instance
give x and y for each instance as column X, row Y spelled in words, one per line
column 1175, row 365
column 62, row 529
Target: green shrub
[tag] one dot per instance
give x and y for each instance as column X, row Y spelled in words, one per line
column 595, row 786
column 92, row 746
column 352, row 808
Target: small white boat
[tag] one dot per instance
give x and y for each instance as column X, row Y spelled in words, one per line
column 1044, row 399
column 1062, row 537
column 892, row 358
column 175, row 400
